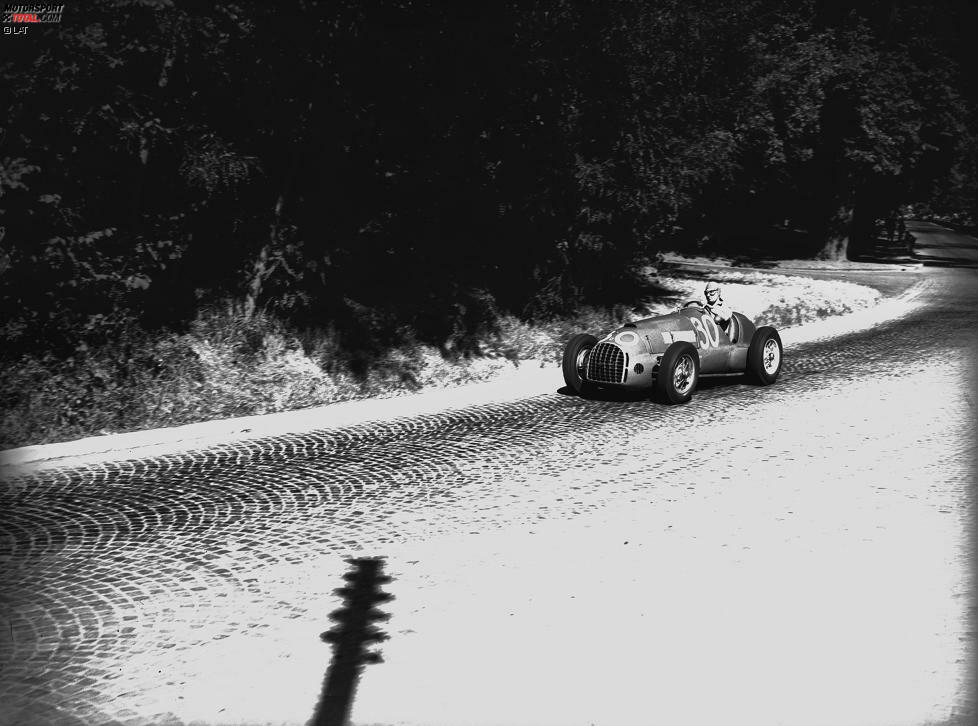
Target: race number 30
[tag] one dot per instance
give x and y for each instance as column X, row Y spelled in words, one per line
column 707, row 332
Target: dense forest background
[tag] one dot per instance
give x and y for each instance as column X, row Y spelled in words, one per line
column 406, row 168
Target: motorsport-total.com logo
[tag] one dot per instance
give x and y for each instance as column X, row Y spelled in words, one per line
column 17, row 18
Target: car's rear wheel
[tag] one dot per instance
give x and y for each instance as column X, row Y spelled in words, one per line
column 679, row 372
column 575, row 360
column 765, row 356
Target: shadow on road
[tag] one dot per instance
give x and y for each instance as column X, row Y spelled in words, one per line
column 354, row 631
column 934, row 261
column 939, row 246
column 628, row 395
column 884, row 251
column 768, row 249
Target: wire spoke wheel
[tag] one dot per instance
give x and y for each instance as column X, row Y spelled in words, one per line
column 582, row 361
column 765, row 356
column 678, row 373
column 575, row 361
column 772, row 356
column 683, row 378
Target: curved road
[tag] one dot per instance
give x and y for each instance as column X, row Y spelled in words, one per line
column 795, row 554
column 938, row 245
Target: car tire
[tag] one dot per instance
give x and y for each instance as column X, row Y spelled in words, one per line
column 679, row 372
column 575, row 353
column 765, row 356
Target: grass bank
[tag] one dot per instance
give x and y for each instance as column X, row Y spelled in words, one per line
column 226, row 365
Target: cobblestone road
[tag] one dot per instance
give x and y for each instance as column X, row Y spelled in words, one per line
column 192, row 588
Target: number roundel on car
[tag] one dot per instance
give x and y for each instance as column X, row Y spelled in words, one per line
column 626, row 338
column 707, row 332
column 702, row 339
column 712, row 330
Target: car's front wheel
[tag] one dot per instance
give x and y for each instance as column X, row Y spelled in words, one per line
column 679, row 372
column 575, row 360
column 765, row 356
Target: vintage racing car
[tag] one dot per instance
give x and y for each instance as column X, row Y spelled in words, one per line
column 669, row 353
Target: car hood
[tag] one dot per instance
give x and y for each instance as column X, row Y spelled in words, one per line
column 653, row 335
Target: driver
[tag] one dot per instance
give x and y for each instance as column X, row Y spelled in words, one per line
column 715, row 305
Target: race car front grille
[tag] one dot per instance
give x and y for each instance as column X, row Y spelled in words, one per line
column 607, row 363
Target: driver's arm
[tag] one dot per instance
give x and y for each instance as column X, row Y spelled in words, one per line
column 721, row 312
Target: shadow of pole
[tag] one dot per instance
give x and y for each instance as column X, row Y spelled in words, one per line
column 354, row 631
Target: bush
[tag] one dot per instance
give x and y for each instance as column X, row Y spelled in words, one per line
column 225, row 365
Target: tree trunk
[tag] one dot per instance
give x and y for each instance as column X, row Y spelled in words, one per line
column 836, row 236
column 835, row 248
column 862, row 230
column 259, row 273
column 263, row 265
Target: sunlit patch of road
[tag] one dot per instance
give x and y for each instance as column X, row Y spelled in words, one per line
column 796, row 572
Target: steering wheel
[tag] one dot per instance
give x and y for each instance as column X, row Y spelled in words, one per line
column 691, row 304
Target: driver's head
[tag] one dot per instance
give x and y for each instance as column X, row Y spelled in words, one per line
column 712, row 292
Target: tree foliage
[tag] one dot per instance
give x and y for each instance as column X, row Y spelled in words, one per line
column 409, row 166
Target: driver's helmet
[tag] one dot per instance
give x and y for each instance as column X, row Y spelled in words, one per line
column 712, row 292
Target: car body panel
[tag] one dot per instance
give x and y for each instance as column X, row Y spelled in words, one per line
column 644, row 341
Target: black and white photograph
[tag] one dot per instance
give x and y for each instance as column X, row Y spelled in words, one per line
column 530, row 363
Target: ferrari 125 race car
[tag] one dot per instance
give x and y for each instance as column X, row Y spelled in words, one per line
column 667, row 354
